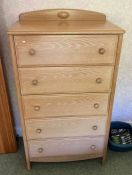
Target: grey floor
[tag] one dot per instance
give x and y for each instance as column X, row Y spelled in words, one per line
column 117, row 164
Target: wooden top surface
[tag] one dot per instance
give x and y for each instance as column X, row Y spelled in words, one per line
column 64, row 21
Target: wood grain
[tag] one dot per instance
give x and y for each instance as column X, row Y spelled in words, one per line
column 50, row 22
column 65, row 127
column 68, row 50
column 120, row 37
column 61, row 14
column 11, row 40
column 7, row 133
column 65, row 64
column 41, row 106
column 2, row 150
column 46, row 80
column 65, row 27
column 66, row 147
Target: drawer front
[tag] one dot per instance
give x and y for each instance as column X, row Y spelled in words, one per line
column 45, row 80
column 65, row 127
column 36, row 106
column 65, row 49
column 66, row 147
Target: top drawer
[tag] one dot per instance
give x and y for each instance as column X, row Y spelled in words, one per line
column 65, row 49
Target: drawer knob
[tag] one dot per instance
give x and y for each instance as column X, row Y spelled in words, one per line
column 95, row 127
column 36, row 108
column 40, row 150
column 32, row 52
column 93, row 147
column 101, row 51
column 38, row 131
column 63, row 14
column 34, row 82
column 96, row 105
column 98, row 80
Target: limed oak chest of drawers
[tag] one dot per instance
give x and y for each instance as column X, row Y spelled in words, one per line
column 65, row 65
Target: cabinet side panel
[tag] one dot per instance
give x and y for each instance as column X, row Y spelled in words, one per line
column 120, row 37
column 14, row 64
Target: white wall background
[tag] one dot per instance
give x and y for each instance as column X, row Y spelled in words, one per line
column 117, row 11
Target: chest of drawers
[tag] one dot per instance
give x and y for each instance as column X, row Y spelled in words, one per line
column 65, row 66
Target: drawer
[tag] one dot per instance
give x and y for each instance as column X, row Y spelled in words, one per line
column 65, row 148
column 36, row 106
column 65, row 127
column 65, row 49
column 46, row 80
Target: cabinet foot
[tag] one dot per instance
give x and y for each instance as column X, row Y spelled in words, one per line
column 104, row 159
column 28, row 165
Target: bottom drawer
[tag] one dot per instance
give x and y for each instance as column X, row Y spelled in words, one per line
column 66, row 148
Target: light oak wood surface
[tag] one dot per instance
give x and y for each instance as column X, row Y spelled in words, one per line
column 61, row 14
column 65, row 65
column 67, row 50
column 41, row 106
column 66, row 147
column 120, row 38
column 65, row 127
column 13, row 54
column 46, row 80
column 49, row 22
column 65, row 27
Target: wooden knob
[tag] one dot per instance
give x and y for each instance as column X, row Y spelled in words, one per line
column 94, row 127
column 32, row 52
column 101, row 51
column 63, row 14
column 40, row 150
column 38, row 131
column 34, row 82
column 36, row 108
column 93, row 147
column 96, row 105
column 98, row 80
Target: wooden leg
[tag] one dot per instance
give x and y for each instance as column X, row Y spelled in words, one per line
column 28, row 165
column 104, row 158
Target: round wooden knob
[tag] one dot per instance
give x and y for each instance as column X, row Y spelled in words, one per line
column 38, row 131
column 40, row 150
column 96, row 105
column 34, row 82
column 32, row 52
column 94, row 127
column 63, row 14
column 93, row 147
column 98, row 80
column 36, row 108
column 101, row 51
